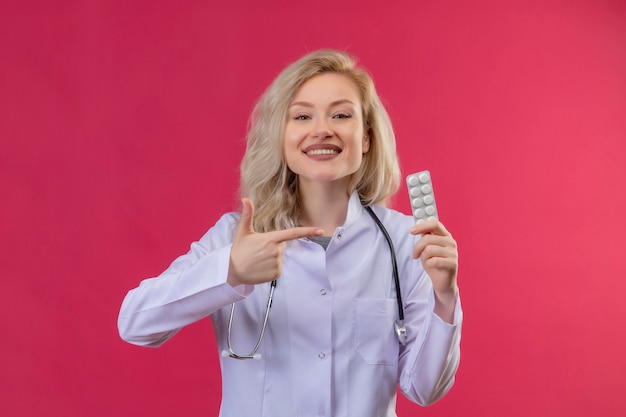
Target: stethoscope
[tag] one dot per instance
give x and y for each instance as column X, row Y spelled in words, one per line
column 400, row 328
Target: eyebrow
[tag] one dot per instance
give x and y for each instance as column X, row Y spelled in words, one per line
column 334, row 103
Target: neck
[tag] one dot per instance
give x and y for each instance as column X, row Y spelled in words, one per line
column 324, row 205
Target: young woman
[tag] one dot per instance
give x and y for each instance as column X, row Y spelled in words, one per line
column 320, row 155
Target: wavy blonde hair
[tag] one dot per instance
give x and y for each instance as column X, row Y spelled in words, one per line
column 265, row 177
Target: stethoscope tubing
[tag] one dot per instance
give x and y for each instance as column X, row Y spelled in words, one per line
column 252, row 355
column 400, row 328
column 394, row 262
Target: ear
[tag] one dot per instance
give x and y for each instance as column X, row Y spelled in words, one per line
column 366, row 143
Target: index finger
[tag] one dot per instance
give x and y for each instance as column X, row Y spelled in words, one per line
column 294, row 233
column 432, row 226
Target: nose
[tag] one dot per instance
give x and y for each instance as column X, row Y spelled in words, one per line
column 322, row 129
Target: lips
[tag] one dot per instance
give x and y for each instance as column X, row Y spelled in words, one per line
column 322, row 149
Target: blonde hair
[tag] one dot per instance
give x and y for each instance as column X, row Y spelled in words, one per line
column 265, row 177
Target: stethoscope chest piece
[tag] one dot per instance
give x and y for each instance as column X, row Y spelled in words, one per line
column 401, row 331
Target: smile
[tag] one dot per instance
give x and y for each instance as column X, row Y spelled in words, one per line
column 322, row 152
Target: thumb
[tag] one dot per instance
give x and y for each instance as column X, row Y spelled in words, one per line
column 246, row 225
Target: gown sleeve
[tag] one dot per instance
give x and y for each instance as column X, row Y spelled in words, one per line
column 430, row 359
column 193, row 287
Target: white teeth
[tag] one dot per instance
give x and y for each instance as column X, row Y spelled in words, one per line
column 322, row 152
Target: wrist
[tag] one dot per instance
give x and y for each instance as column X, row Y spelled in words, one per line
column 447, row 296
column 232, row 278
column 445, row 303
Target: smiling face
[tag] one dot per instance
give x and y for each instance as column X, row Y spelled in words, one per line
column 324, row 134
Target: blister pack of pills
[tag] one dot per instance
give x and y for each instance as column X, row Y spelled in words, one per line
column 421, row 195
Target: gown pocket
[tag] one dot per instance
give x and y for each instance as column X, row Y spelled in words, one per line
column 376, row 342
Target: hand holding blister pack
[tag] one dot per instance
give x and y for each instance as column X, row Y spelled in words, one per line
column 422, row 198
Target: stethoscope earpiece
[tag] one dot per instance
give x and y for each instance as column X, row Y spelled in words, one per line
column 231, row 354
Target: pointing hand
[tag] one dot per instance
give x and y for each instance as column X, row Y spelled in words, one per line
column 258, row 257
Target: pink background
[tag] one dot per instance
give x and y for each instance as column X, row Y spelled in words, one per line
column 122, row 125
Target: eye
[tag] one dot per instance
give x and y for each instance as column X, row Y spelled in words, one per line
column 301, row 116
column 342, row 115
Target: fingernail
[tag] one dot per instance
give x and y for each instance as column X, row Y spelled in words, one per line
column 319, row 232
